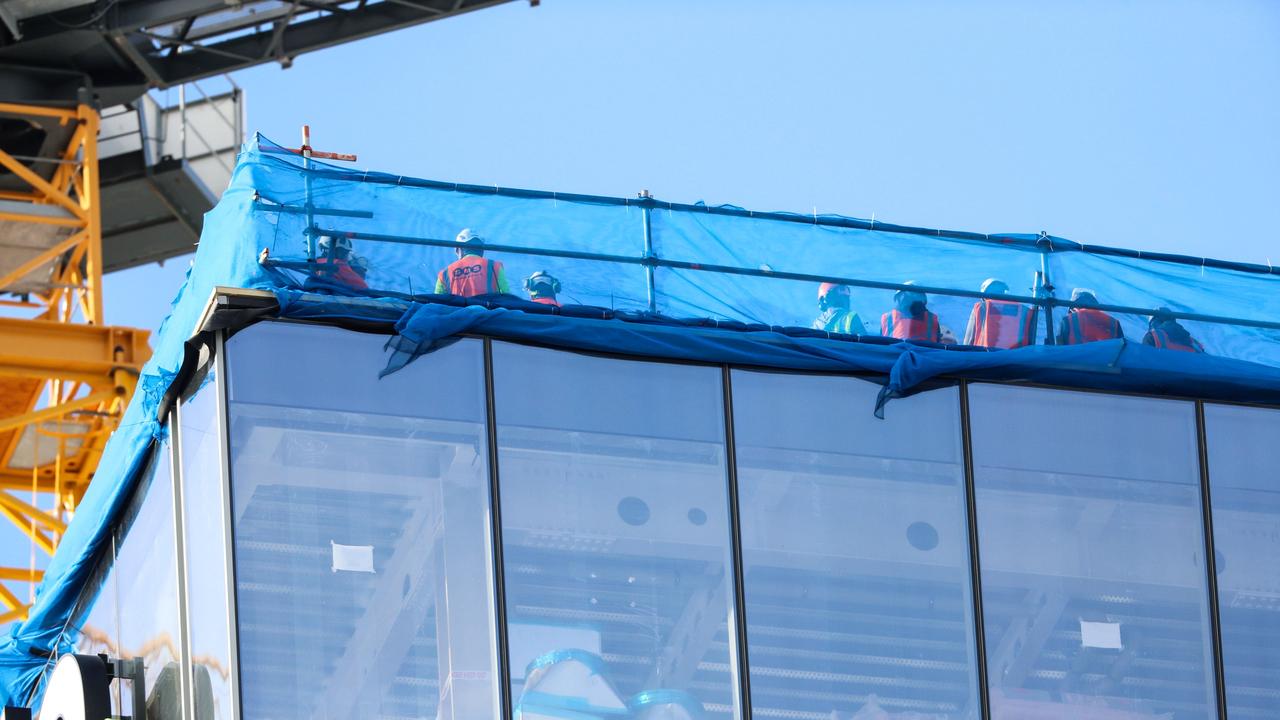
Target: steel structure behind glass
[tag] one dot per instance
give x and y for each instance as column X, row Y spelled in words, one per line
column 353, row 499
column 200, row 453
column 146, row 571
column 98, row 613
column 615, row 535
column 358, row 512
column 1093, row 580
column 1245, row 486
column 855, row 549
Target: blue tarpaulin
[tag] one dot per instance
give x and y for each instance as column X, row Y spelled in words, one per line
column 652, row 279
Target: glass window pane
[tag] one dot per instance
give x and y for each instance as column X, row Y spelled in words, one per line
column 360, row 517
column 615, row 533
column 206, row 570
column 1245, row 485
column 147, row 578
column 99, row 618
column 1093, row 581
column 855, row 550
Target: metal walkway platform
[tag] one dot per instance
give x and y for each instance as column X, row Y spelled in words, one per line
column 163, row 167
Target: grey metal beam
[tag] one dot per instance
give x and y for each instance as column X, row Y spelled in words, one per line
column 298, row 38
column 417, row 6
column 136, row 58
column 133, row 16
column 692, row 635
column 44, row 86
column 1020, row 646
column 124, row 51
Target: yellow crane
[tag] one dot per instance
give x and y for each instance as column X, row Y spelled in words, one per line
column 65, row 377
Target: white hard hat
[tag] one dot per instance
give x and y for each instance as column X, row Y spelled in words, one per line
column 325, row 242
column 1083, row 295
column 994, row 286
column 911, row 296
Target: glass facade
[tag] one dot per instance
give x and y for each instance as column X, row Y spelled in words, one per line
column 204, row 543
column 677, row 539
column 1093, row 581
column 855, row 549
column 146, row 571
column 615, row 530
column 99, row 613
column 1245, row 489
column 353, row 498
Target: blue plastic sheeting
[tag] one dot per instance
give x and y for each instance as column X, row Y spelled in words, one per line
column 733, row 264
column 749, row 278
column 728, row 263
column 1118, row 365
column 424, row 327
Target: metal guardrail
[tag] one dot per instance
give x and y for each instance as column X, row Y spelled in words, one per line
column 1043, row 298
column 234, row 124
column 143, row 125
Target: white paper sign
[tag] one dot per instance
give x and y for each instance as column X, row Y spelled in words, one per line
column 352, row 558
column 1100, row 635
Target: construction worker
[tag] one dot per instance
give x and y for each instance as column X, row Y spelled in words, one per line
column 1087, row 324
column 471, row 274
column 910, row 318
column 836, row 317
column 1166, row 333
column 335, row 261
column 542, row 288
column 1000, row 323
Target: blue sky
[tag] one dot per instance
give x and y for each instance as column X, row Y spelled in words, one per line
column 1141, row 124
column 1147, row 124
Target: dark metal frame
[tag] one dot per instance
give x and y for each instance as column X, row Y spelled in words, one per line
column 155, row 43
column 1210, row 561
column 743, row 664
column 495, row 529
column 975, row 567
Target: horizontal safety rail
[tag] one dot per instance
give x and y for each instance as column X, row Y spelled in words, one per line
column 660, row 262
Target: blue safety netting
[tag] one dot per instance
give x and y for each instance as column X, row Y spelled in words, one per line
column 647, row 278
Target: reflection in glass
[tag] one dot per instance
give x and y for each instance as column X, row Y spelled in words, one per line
column 855, row 549
column 206, row 570
column 1245, row 491
column 360, row 521
column 1093, row 580
column 615, row 533
column 98, row 623
column 147, row 577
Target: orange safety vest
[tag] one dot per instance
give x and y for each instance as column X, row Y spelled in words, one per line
column 1002, row 324
column 546, row 301
column 1086, row 325
column 899, row 325
column 342, row 272
column 471, row 275
column 1161, row 339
